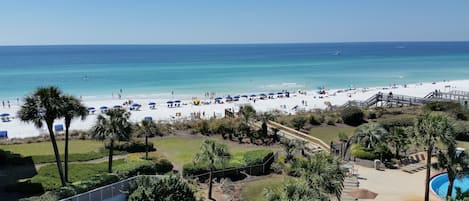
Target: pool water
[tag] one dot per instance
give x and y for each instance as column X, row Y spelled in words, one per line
column 439, row 184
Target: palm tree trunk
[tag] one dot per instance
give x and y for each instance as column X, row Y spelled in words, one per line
column 210, row 184
column 111, row 148
column 450, row 185
column 427, row 177
column 56, row 152
column 66, row 151
column 146, row 146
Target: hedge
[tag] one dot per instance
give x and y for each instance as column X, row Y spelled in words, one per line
column 399, row 120
column 352, row 116
column 360, row 152
column 131, row 146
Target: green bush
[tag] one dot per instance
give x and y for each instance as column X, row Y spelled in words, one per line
column 402, row 120
column 360, row 152
column 352, row 116
column 298, row 122
column 257, row 157
column 163, row 166
column 131, row 169
column 131, row 146
column 170, row 188
column 95, row 182
column 330, row 120
column 315, row 120
column 25, row 187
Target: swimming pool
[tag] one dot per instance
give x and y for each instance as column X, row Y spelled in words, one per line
column 439, row 184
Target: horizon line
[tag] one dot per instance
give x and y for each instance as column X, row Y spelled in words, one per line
column 196, row 44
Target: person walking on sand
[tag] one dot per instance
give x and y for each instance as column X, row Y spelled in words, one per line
column 8, row 104
column 3, row 102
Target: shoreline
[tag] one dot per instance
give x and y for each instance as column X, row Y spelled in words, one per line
column 306, row 100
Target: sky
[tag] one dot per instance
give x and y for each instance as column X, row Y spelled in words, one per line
column 54, row 22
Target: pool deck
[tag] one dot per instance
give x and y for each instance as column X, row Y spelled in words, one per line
column 393, row 185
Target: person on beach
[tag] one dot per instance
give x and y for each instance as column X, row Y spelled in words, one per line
column 3, row 102
column 8, row 104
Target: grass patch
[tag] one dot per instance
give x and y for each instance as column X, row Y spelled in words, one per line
column 48, row 175
column 45, row 148
column 253, row 190
column 181, row 150
column 330, row 133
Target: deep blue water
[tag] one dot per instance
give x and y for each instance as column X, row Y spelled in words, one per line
column 100, row 70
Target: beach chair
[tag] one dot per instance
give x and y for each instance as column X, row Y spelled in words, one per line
column 3, row 134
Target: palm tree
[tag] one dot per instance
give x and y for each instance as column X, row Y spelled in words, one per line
column 429, row 129
column 291, row 147
column 325, row 171
column 112, row 126
column 45, row 104
column 148, row 128
column 72, row 108
column 452, row 162
column 246, row 113
column 399, row 138
column 369, row 135
column 212, row 154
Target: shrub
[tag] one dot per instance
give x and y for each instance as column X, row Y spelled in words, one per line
column 330, row 120
column 170, row 188
column 257, row 157
column 131, row 146
column 131, row 169
column 352, row 116
column 342, row 136
column 298, row 122
column 372, row 115
column 315, row 120
column 399, row 120
column 25, row 187
column 360, row 152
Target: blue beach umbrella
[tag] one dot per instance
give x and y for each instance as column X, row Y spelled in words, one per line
column 279, row 93
column 4, row 115
column 152, row 103
column 136, row 105
column 91, row 109
column 271, row 94
column 148, row 118
column 236, row 97
column 253, row 95
column 244, row 96
column 117, row 107
column 103, row 108
column 218, row 98
column 177, row 101
column 262, row 95
column 169, row 102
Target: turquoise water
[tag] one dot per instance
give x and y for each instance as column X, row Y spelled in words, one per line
column 439, row 184
column 102, row 70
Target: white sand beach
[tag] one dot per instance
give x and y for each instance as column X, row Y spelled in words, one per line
column 18, row 129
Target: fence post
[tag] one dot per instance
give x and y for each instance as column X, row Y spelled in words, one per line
column 89, row 196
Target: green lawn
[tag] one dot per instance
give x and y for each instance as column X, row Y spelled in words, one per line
column 49, row 178
column 329, row 133
column 181, row 150
column 45, row 148
column 253, row 190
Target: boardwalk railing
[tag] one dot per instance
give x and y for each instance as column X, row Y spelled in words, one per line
column 107, row 192
column 290, row 131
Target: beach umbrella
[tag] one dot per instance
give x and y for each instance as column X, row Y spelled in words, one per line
column 271, row 94
column 279, row 93
column 228, row 97
column 236, row 97
column 91, row 109
column 253, row 95
column 148, row 118
column 152, row 103
column 169, row 102
column 117, row 107
column 103, row 108
column 4, row 115
column 262, row 95
column 244, row 96
column 363, row 194
column 177, row 101
column 136, row 105
column 218, row 98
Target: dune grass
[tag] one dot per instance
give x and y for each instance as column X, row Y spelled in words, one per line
column 253, row 190
column 181, row 150
column 330, row 133
column 45, row 148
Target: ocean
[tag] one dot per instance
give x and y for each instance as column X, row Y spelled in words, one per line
column 100, row 71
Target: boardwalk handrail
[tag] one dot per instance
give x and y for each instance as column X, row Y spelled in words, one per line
column 316, row 141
